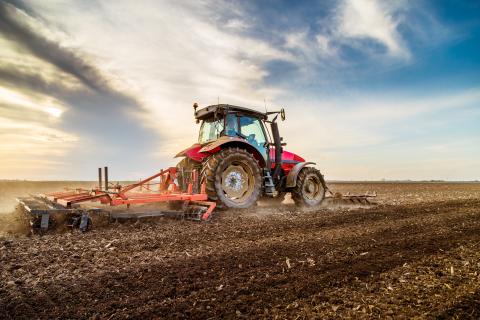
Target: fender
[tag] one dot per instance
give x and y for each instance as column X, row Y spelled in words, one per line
column 184, row 152
column 192, row 153
column 235, row 142
column 210, row 147
column 292, row 175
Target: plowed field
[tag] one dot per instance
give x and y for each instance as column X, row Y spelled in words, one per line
column 415, row 254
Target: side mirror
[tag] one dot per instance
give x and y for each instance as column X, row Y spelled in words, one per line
column 282, row 114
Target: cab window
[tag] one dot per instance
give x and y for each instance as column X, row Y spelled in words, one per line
column 210, row 130
column 252, row 129
column 231, row 125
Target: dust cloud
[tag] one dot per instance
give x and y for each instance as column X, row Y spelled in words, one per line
column 272, row 206
column 13, row 220
column 14, row 223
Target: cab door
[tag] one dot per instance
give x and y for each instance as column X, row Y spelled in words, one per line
column 252, row 130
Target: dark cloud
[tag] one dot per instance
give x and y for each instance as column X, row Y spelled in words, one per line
column 22, row 6
column 53, row 53
column 48, row 50
column 15, row 79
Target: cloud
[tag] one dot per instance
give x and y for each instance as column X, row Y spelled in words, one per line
column 376, row 20
column 237, row 25
column 360, row 120
column 349, row 36
column 15, row 77
column 310, row 51
column 369, row 26
column 29, row 132
column 122, row 77
column 168, row 65
column 67, row 100
column 38, row 103
column 65, row 60
column 13, row 26
column 389, row 135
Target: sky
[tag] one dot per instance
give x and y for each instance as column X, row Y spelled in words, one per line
column 372, row 89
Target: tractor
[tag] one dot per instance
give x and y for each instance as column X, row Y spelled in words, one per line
column 240, row 157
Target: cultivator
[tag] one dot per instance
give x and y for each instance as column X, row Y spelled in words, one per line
column 349, row 199
column 68, row 206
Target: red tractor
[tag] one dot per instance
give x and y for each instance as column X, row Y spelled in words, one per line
column 240, row 156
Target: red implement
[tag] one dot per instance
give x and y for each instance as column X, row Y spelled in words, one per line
column 168, row 191
column 191, row 198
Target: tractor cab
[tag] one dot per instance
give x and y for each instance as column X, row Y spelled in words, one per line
column 235, row 122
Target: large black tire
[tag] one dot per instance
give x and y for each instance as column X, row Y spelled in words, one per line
column 232, row 178
column 310, row 188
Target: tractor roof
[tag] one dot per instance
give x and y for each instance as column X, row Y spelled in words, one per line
column 223, row 109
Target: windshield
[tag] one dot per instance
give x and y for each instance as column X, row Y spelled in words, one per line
column 210, row 130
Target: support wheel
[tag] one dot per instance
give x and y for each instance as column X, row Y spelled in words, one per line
column 232, row 178
column 310, row 188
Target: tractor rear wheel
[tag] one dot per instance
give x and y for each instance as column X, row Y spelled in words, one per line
column 232, row 178
column 310, row 188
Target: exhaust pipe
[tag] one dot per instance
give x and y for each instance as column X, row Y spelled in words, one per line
column 277, row 140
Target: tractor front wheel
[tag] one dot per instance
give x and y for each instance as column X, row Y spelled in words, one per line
column 310, row 188
column 232, row 178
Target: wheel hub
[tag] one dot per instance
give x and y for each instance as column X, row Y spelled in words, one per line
column 235, row 182
column 312, row 188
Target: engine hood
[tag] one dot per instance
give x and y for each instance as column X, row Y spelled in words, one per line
column 287, row 157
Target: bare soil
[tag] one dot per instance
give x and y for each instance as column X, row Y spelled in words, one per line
column 415, row 255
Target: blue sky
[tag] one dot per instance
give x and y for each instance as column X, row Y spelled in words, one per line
column 373, row 89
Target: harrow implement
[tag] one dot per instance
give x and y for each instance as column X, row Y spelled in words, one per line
column 348, row 198
column 49, row 209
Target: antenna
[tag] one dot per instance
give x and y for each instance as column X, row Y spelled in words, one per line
column 265, row 102
column 218, row 100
